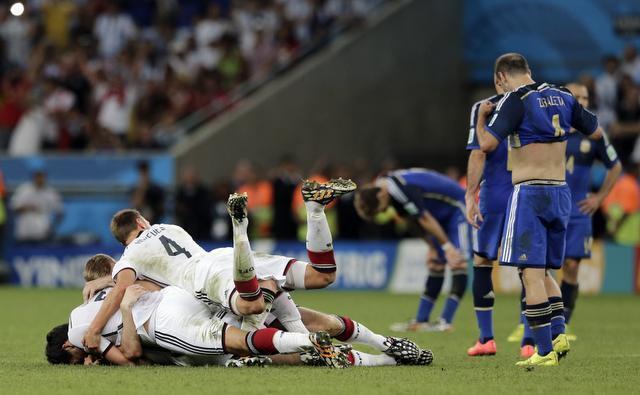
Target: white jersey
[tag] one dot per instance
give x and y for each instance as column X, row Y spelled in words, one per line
column 164, row 254
column 82, row 316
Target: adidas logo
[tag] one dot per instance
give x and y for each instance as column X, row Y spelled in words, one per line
column 489, row 295
column 523, row 257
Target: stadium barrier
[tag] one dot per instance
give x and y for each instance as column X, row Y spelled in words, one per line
column 398, row 267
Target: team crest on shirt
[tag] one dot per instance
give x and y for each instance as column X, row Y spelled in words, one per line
column 585, row 146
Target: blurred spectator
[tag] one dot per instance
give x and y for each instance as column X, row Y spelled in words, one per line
column 622, row 208
column 148, row 197
column 113, row 29
column 38, row 209
column 606, row 91
column 286, row 178
column 115, row 107
column 34, row 128
column 631, row 63
column 246, row 180
column 192, row 205
column 16, row 33
column 220, row 222
column 624, row 132
column 57, row 16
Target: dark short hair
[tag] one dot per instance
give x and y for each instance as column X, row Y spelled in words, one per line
column 367, row 202
column 511, row 63
column 54, row 351
column 123, row 223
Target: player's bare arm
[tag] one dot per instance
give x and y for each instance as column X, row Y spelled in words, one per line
column 487, row 141
column 111, row 304
column 593, row 201
column 475, row 167
column 432, row 226
column 91, row 287
column 130, row 345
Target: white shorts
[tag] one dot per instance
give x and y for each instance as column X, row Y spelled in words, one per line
column 218, row 287
column 182, row 324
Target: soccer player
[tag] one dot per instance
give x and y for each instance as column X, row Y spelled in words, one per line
column 174, row 320
column 581, row 154
column 167, row 255
column 436, row 203
column 537, row 118
column 487, row 219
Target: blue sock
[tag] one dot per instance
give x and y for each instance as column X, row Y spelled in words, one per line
column 458, row 288
column 557, row 316
column 527, row 338
column 450, row 307
column 428, row 299
column 539, row 319
column 424, row 309
column 483, row 301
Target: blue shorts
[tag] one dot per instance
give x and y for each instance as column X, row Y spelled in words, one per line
column 486, row 240
column 536, row 225
column 579, row 238
column 458, row 232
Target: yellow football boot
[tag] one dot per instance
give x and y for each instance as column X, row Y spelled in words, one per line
column 550, row 359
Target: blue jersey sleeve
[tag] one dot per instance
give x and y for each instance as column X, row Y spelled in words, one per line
column 605, row 152
column 507, row 116
column 583, row 120
column 407, row 198
column 472, row 141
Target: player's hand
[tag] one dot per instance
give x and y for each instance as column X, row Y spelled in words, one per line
column 91, row 341
column 590, row 205
column 486, row 108
column 131, row 295
column 91, row 287
column 474, row 217
column 452, row 254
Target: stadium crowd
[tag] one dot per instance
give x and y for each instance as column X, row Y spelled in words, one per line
column 111, row 75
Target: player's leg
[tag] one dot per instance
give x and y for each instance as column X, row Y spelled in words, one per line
column 483, row 301
column 344, row 329
column 244, row 273
column 459, row 235
column 322, row 269
column 569, row 287
column 556, row 244
column 432, row 288
column 524, row 245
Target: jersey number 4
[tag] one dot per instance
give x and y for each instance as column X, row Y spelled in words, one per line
column 173, row 248
column 555, row 121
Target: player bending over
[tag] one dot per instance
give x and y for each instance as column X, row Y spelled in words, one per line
column 436, row 203
column 167, row 255
column 537, row 118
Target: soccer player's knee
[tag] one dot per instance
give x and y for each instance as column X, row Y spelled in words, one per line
column 250, row 307
column 459, row 280
column 317, row 279
column 435, row 267
column 570, row 269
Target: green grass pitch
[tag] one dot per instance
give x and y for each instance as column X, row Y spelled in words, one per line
column 605, row 359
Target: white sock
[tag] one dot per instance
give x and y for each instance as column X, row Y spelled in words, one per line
column 318, row 232
column 364, row 359
column 363, row 335
column 254, row 322
column 285, row 309
column 243, row 267
column 286, row 342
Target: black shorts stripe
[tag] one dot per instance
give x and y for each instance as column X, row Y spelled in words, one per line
column 186, row 344
column 188, row 347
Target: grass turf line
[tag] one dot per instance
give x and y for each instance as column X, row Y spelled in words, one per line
column 605, row 359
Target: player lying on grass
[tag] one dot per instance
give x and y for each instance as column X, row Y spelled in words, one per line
column 436, row 204
column 167, row 255
column 186, row 320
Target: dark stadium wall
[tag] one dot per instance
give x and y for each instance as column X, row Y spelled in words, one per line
column 395, row 89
